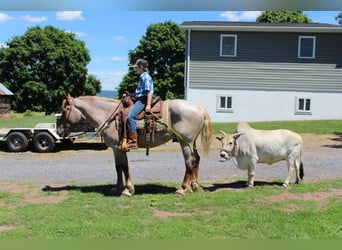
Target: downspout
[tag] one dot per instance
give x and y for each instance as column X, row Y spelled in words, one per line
column 187, row 66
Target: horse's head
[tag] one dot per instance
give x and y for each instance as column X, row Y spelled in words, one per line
column 71, row 115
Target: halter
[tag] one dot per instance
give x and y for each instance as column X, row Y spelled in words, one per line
column 67, row 109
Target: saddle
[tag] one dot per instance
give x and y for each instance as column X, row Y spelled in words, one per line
column 146, row 124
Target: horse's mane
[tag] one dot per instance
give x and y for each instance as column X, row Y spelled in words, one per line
column 99, row 98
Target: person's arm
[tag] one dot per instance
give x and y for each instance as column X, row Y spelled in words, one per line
column 148, row 103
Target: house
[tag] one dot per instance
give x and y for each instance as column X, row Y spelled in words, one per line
column 249, row 71
column 5, row 101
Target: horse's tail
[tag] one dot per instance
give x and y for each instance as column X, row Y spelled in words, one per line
column 206, row 132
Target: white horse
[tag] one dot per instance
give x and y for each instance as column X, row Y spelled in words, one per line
column 183, row 120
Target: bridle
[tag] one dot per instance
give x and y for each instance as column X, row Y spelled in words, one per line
column 67, row 113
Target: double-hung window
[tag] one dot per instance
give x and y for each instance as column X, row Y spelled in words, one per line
column 306, row 47
column 303, row 105
column 228, row 45
column 224, row 103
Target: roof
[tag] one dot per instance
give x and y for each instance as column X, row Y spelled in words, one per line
column 262, row 27
column 4, row 90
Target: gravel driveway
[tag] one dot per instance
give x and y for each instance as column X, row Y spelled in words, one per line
column 97, row 166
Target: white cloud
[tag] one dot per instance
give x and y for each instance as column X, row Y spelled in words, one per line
column 237, row 16
column 69, row 15
column 5, row 18
column 3, row 45
column 78, row 33
column 118, row 59
column 31, row 19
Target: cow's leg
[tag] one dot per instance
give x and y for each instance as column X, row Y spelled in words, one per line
column 251, row 173
column 189, row 169
column 298, row 166
column 291, row 169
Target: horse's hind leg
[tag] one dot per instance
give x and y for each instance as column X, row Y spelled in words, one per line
column 195, row 165
column 191, row 158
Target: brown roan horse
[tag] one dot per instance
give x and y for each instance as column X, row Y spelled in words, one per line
column 183, row 120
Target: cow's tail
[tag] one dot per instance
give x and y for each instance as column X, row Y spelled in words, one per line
column 301, row 170
column 206, row 132
column 301, row 166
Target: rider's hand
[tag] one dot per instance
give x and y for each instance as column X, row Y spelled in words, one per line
column 148, row 108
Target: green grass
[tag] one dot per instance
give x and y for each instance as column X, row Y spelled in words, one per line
column 316, row 126
column 17, row 120
column 88, row 212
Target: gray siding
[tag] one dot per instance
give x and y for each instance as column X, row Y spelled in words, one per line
column 265, row 61
column 266, row 47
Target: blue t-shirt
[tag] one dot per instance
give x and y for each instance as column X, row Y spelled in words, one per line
column 145, row 85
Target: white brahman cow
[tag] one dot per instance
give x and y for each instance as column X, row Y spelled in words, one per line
column 250, row 146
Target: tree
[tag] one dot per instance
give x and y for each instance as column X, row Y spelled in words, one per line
column 163, row 46
column 92, row 86
column 283, row 17
column 41, row 66
column 339, row 18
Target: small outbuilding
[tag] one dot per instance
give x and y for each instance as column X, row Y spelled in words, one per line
column 5, row 101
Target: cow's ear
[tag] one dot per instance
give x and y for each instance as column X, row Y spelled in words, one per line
column 237, row 135
column 223, row 134
column 220, row 138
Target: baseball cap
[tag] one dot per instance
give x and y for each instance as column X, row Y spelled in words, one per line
column 141, row 62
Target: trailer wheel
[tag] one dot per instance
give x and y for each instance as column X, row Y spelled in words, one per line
column 16, row 142
column 43, row 142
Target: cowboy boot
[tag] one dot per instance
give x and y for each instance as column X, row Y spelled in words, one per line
column 132, row 140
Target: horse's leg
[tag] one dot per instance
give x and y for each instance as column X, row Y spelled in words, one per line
column 118, row 188
column 195, row 165
column 189, row 169
column 129, row 187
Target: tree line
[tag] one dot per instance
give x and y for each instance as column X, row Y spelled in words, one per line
column 40, row 66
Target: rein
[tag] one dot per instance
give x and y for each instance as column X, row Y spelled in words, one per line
column 108, row 120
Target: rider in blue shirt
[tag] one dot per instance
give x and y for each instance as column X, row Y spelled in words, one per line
column 143, row 99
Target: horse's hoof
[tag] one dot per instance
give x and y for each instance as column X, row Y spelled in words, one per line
column 126, row 193
column 180, row 192
column 195, row 187
column 285, row 185
column 115, row 191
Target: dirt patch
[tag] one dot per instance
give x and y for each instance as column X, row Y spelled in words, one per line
column 6, row 228
column 315, row 196
column 306, row 196
column 165, row 214
column 30, row 195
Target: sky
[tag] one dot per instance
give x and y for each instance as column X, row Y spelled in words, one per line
column 110, row 34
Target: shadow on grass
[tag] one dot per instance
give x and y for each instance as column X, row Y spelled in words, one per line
column 105, row 190
column 238, row 185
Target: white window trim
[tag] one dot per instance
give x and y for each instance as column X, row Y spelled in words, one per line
column 235, row 45
column 224, row 110
column 303, row 112
column 314, row 47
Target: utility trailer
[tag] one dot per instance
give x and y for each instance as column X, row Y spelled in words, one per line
column 43, row 136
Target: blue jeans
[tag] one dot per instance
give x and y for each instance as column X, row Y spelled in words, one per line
column 132, row 118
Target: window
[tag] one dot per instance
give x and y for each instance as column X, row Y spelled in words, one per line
column 225, row 103
column 228, row 45
column 303, row 105
column 306, row 47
